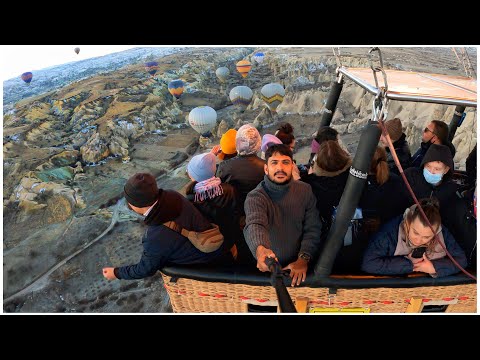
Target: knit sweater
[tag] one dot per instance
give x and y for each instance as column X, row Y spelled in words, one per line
column 283, row 218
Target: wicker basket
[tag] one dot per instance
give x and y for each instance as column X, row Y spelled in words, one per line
column 194, row 296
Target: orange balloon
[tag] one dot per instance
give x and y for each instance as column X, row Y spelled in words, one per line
column 244, row 67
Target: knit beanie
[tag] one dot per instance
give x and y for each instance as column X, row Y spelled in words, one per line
column 141, row 190
column 437, row 152
column 202, row 167
column 227, row 142
column 394, row 129
column 248, row 140
column 269, row 139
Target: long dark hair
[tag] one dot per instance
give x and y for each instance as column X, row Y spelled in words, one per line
column 285, row 133
column 331, row 157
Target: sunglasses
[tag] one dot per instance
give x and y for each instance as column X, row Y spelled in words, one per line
column 427, row 130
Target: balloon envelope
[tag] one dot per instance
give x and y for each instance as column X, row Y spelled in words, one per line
column 222, row 73
column 175, row 87
column 244, row 67
column 258, row 57
column 202, row 119
column 77, row 50
column 151, row 67
column 273, row 94
column 27, row 77
column 241, row 96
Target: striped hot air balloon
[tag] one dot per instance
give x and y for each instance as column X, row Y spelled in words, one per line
column 241, row 96
column 202, row 119
column 222, row 73
column 151, row 67
column 244, row 67
column 27, row 77
column 77, row 50
column 258, row 57
column 175, row 87
column 273, row 94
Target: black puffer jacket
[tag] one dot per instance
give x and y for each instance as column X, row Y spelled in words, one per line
column 383, row 201
column 445, row 192
column 463, row 225
column 403, row 153
column 328, row 190
column 223, row 210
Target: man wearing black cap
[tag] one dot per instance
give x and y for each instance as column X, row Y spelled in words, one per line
column 161, row 244
column 433, row 178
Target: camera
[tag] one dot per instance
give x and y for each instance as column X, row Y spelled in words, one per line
column 417, row 253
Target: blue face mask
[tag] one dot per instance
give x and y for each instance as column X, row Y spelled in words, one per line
column 432, row 178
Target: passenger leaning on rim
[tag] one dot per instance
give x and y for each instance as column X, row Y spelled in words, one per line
column 161, row 244
column 407, row 244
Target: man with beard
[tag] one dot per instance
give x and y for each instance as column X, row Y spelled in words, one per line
column 436, row 132
column 282, row 217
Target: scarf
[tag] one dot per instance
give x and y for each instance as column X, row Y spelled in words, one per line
column 168, row 208
column 209, row 188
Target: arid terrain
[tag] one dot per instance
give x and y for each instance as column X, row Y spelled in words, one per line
column 68, row 153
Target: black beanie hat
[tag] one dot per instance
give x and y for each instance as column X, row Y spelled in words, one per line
column 141, row 190
column 437, row 152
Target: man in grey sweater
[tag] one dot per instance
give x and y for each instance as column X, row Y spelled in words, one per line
column 282, row 219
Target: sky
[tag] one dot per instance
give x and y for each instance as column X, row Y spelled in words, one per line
column 17, row 59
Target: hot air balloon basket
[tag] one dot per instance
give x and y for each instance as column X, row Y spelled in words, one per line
column 192, row 296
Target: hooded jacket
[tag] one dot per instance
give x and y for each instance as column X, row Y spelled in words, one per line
column 162, row 245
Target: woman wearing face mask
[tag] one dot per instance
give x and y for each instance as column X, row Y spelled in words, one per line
column 433, row 178
column 407, row 244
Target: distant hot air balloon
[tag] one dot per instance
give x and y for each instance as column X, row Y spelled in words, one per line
column 175, row 87
column 27, row 77
column 222, row 73
column 273, row 94
column 243, row 67
column 77, row 50
column 258, row 57
column 151, row 67
column 241, row 96
column 202, row 119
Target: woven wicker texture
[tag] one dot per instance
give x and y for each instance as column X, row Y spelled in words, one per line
column 192, row 296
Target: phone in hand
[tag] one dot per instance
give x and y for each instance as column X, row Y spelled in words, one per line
column 418, row 252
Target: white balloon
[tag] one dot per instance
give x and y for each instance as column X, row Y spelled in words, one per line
column 202, row 119
column 241, row 96
column 259, row 57
column 222, row 73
